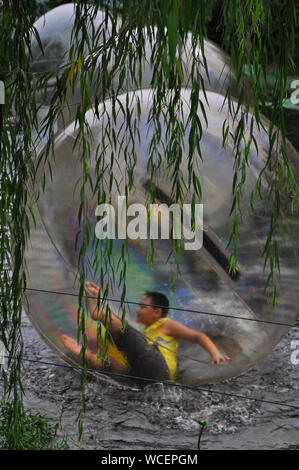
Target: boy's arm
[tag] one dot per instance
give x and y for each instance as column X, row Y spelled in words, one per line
column 180, row 331
column 97, row 313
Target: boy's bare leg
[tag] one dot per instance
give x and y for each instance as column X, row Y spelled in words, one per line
column 110, row 321
column 91, row 358
column 114, row 325
column 75, row 348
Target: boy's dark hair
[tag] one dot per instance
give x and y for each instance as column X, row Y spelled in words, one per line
column 159, row 300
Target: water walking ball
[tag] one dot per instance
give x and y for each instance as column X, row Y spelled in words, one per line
column 55, row 32
column 207, row 294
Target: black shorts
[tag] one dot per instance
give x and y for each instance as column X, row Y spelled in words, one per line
column 145, row 360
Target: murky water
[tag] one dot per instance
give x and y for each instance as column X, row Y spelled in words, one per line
column 161, row 418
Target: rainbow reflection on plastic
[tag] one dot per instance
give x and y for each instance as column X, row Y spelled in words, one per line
column 205, row 283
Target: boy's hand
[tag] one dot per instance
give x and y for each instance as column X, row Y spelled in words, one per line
column 91, row 289
column 217, row 358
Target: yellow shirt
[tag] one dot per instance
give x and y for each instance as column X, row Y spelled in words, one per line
column 167, row 345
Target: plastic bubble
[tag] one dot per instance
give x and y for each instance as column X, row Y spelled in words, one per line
column 205, row 284
column 55, row 29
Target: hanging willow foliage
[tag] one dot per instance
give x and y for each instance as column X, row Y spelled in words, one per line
column 18, row 120
column 247, row 28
